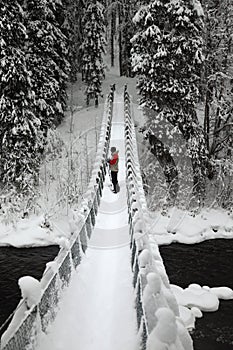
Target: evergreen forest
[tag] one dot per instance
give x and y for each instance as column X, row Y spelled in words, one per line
column 180, row 54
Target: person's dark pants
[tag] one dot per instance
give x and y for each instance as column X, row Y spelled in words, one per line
column 114, row 179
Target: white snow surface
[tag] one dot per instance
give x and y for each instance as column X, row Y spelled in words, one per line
column 97, row 310
column 180, row 226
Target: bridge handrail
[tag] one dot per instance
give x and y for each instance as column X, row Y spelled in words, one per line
column 150, row 281
column 24, row 330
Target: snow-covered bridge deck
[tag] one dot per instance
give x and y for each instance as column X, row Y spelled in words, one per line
column 97, row 310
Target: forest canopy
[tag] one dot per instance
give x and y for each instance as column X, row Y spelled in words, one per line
column 179, row 51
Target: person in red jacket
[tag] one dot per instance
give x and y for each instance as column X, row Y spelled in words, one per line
column 113, row 163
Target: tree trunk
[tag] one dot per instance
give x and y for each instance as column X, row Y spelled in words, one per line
column 88, row 100
column 195, row 138
column 217, row 124
column 96, row 101
column 120, row 40
column 112, row 36
column 207, row 118
column 199, row 179
column 200, row 162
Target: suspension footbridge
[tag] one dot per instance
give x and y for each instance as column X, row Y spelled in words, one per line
column 109, row 288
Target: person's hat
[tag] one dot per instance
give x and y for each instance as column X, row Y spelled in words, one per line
column 113, row 149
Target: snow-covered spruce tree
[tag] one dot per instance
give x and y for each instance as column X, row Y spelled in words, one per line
column 127, row 11
column 61, row 55
column 167, row 57
column 93, row 48
column 19, row 125
column 47, row 56
column 74, row 11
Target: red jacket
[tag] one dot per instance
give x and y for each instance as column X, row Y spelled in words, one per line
column 114, row 161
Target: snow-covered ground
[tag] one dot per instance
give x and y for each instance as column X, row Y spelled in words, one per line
column 183, row 227
column 49, row 222
column 32, row 230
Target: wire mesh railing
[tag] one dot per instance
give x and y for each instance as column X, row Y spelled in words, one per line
column 153, row 294
column 27, row 322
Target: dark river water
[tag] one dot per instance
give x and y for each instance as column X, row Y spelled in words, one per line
column 208, row 263
column 15, row 263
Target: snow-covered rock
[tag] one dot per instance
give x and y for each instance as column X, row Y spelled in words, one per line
column 30, row 290
column 195, row 295
column 222, row 292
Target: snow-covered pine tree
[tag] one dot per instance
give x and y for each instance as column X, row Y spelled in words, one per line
column 93, row 48
column 127, row 12
column 61, row 55
column 47, row 55
column 167, row 57
column 19, row 126
column 74, row 11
